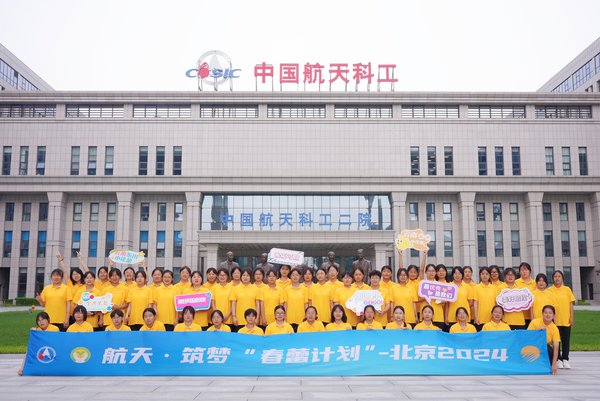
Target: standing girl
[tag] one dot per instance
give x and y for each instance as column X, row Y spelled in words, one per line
column 295, row 299
column 138, row 299
column 564, row 317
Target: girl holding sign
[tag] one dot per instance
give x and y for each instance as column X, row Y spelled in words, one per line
column 295, row 299
column 564, row 316
column 344, row 293
column 427, row 319
column 271, row 295
column 164, row 298
column 464, row 297
column 375, row 280
column 119, row 294
column 516, row 320
column 243, row 297
column 484, row 296
column 93, row 318
column 437, row 305
column 405, row 296
column 138, row 299
column 201, row 316
column 546, row 322
column 339, row 320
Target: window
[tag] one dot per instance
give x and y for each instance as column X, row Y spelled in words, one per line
column 566, row 158
column 568, row 276
column 177, row 156
column 497, row 211
column 75, row 160
column 515, row 243
column 77, row 210
column 516, row 160
column 7, row 246
column 514, row 211
column 94, row 111
column 27, row 111
column 9, row 74
column 480, row 211
column 110, row 243
column 430, row 211
column 177, row 244
column 26, row 216
column 162, row 212
column 431, row 162
column 9, row 211
column 93, row 244
column 570, row 112
column 549, row 161
column 564, row 242
column 228, row 111
column 145, row 212
column 143, row 161
column 111, row 211
column 24, row 248
column 495, row 111
column 429, row 111
column 448, row 251
column 447, row 210
column 22, row 282
column 43, row 212
column 92, row 158
column 39, row 279
column 296, row 112
column 580, row 211
column 413, row 211
column 160, row 244
column 144, row 242
column 498, row 244
column 162, row 111
column 6, row 159
column 160, row 160
column 582, row 244
column 75, row 243
column 482, row 158
column 448, row 160
column 178, row 211
column 583, row 161
column 547, row 211
column 40, row 165
column 109, row 160
column 431, row 252
column 24, row 160
column 548, row 244
column 414, row 160
column 363, row 111
column 563, row 209
column 499, row 155
column 94, row 211
column 481, row 248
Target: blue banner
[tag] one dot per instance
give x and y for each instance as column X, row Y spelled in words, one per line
column 339, row 353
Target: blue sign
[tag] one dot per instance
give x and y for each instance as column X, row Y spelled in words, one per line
column 348, row 353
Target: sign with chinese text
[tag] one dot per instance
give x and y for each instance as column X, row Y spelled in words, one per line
column 438, row 291
column 285, row 257
column 357, row 302
column 199, row 301
column 515, row 300
column 126, row 257
column 415, row 239
column 95, row 303
column 349, row 353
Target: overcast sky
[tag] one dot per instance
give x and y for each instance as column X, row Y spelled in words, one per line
column 454, row 45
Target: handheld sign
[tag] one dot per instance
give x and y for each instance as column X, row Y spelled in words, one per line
column 94, row 303
column 285, row 257
column 199, row 301
column 515, row 300
column 357, row 302
column 438, row 291
column 126, row 257
column 415, row 239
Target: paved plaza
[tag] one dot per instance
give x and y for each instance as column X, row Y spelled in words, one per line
column 580, row 383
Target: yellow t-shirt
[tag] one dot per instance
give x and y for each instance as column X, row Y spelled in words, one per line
column 519, row 283
column 245, row 297
column 157, row 326
column 423, row 326
column 514, row 318
column 320, row 297
column 541, row 299
column 552, row 333
column 335, row 284
column 388, row 285
column 456, row 329
column 338, row 327
column 209, row 285
column 191, row 327
column 485, row 295
column 373, row 326
column 295, row 299
column 394, row 326
column 221, row 295
column 405, row 296
column 224, row 328
column 55, row 299
column 465, row 293
column 164, row 297
column 139, row 298
column 306, row 327
column 341, row 295
column 271, row 297
column 363, row 287
column 119, row 295
column 257, row 331
column 85, row 327
column 564, row 297
column 283, row 284
column 112, row 327
column 387, row 299
column 73, row 287
column 273, row 328
column 492, row 326
column 201, row 316
column 182, row 286
column 102, row 285
column 51, row 329
column 96, row 291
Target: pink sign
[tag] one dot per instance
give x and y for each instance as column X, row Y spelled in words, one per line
column 515, row 300
column 439, row 291
column 199, row 301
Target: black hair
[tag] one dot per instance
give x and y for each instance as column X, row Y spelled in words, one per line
column 386, row 267
column 250, row 312
column 495, row 267
column 428, row 307
column 103, row 268
column 185, row 268
column 549, row 307
column 169, row 272
column 541, row 276
column 81, row 308
column 42, row 315
column 467, row 268
column 88, row 273
column 333, row 266
column 238, row 269
column 258, row 270
column 129, row 268
column 312, row 307
column 358, row 269
column 212, row 269
column 431, row 265
column 216, row 312
column 339, row 307
column 296, row 270
column 484, row 269
column 525, row 265
column 344, row 274
column 116, row 271
column 272, row 271
column 510, row 270
column 412, row 267
column 76, row 270
column 369, row 307
column 375, row 273
column 400, row 271
column 463, row 309
column 399, row 307
column 58, row 272
column 223, row 270
column 198, row 273
column 558, row 272
column 156, row 269
column 116, row 312
column 190, row 310
column 279, row 307
column 151, row 310
column 458, row 269
column 497, row 306
column 143, row 273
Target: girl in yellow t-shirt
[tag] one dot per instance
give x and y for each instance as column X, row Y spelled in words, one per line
column 564, row 316
column 311, row 324
column 211, row 277
column 56, row 300
column 93, row 318
column 386, row 278
column 164, row 298
column 201, row 316
column 484, row 296
column 332, row 277
column 258, row 279
column 437, row 305
column 138, row 298
column 516, row 320
column 284, row 280
column 103, row 281
column 221, row 294
column 320, row 295
column 80, row 325
column 496, row 277
column 359, row 277
column 427, row 314
column 295, row 299
column 251, row 328
column 344, row 293
column 369, row 322
column 119, row 294
column 308, row 277
column 542, row 296
column 129, row 274
column 441, row 273
column 339, row 320
column 279, row 326
column 496, row 324
column 405, row 294
column 271, row 295
column 398, row 323
column 117, row 317
column 150, row 322
column 185, row 279
column 243, row 297
column 188, row 321
column 464, row 297
column 236, row 276
column 462, row 324
column 523, row 281
column 42, row 322
column 546, row 322
column 468, row 276
column 157, row 279
column 217, row 319
column 383, row 315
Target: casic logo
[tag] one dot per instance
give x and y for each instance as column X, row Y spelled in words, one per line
column 46, row 354
column 529, row 353
column 80, row 355
column 213, row 68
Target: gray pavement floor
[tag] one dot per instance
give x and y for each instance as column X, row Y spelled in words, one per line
column 582, row 382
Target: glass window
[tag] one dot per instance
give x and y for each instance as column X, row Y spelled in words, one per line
column 178, row 211
column 431, row 161
column 40, row 164
column 110, row 243
column 177, row 244
column 582, row 244
column 481, row 246
column 296, row 111
column 24, row 160
column 514, row 211
column 160, row 244
column 43, row 211
column 431, row 252
column 22, row 282
column 547, row 211
column 94, row 211
column 75, row 160
column 549, row 161
column 548, row 244
column 75, row 243
column 515, row 243
column 563, row 209
column 415, row 169
column 177, row 157
column 497, row 211
column 77, row 210
column 498, row 244
column 94, row 111
column 162, row 212
column 145, row 211
column 370, row 111
column 583, row 161
column 24, row 249
column 566, row 157
column 447, row 209
column 499, row 154
column 160, row 160
column 580, row 211
column 7, row 246
column 242, row 111
column 448, row 160
column 568, row 276
column 143, row 160
column 482, row 158
column 93, row 244
column 448, row 251
column 92, row 158
column 413, row 211
column 6, row 159
column 111, row 211
column 9, row 211
column 565, row 245
column 109, row 160
column 144, row 242
column 39, row 279
column 516, row 160
column 480, row 211
column 26, row 212
column 430, row 211
column 162, row 111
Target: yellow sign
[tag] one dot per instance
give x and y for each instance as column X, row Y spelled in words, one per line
column 415, row 239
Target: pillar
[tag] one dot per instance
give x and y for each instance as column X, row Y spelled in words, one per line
column 192, row 225
column 535, row 254
column 466, row 219
column 124, row 234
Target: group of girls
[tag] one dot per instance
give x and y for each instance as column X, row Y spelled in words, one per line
column 299, row 300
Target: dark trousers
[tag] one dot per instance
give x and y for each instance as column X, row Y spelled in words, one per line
column 169, row 327
column 565, row 343
column 518, row 327
column 135, row 327
column 478, row 327
column 550, row 353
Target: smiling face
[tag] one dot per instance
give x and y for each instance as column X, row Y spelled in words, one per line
column 149, row 318
column 157, row 277
column 398, row 315
column 280, row 315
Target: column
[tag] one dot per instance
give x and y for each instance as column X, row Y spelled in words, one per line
column 398, row 223
column 467, row 228
column 55, row 236
column 380, row 256
column 595, row 254
column 124, row 234
column 534, row 232
column 192, row 225
column 211, row 255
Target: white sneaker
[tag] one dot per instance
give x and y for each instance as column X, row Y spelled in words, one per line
column 559, row 364
column 566, row 365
